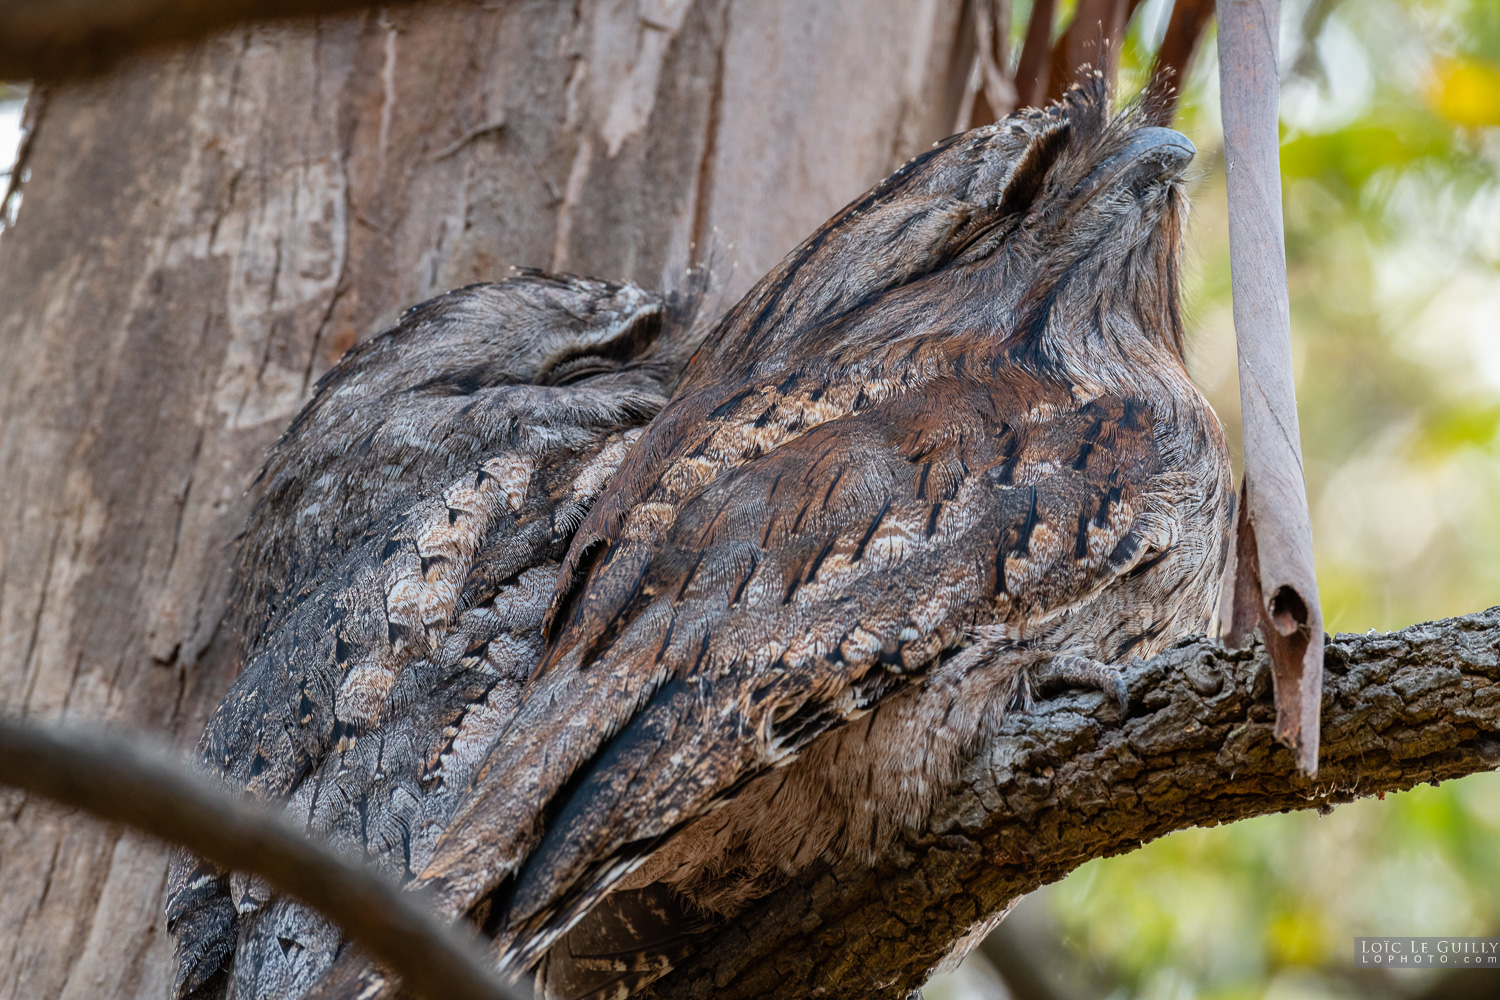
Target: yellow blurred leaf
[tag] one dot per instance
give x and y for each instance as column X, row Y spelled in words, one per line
column 1465, row 91
column 1298, row 938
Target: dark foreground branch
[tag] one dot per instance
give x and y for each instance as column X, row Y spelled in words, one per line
column 58, row 39
column 1068, row 782
column 117, row 780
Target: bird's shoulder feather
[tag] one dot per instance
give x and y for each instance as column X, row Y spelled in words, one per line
column 811, row 548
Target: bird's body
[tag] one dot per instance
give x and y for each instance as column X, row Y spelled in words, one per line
column 393, row 580
column 947, row 448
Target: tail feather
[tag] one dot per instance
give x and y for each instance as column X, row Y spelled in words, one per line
column 201, row 915
column 628, row 941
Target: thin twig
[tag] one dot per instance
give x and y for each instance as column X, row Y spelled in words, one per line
column 31, row 117
column 1036, row 51
column 117, row 780
column 488, row 128
column 1189, row 19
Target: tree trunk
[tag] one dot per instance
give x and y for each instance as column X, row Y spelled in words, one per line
column 205, row 232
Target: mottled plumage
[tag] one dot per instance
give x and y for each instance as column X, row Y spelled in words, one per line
column 945, row 451
column 957, row 414
column 393, row 580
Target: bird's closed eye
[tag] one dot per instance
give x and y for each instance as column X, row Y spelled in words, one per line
column 577, row 369
column 613, row 355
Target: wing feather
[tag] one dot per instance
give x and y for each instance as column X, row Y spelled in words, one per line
column 728, row 625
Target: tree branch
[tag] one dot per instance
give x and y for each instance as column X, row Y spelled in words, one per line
column 1068, row 782
column 117, row 780
column 1092, row 39
column 1061, row 784
column 1036, row 53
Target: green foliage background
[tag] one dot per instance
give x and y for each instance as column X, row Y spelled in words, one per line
column 1391, row 181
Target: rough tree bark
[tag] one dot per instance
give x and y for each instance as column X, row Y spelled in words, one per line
column 1070, row 781
column 1063, row 782
column 204, row 232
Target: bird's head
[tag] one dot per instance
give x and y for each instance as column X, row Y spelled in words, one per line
column 1044, row 229
column 535, row 329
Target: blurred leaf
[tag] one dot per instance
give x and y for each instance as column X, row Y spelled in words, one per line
column 1298, row 937
column 1472, row 424
column 1465, row 91
column 1348, row 158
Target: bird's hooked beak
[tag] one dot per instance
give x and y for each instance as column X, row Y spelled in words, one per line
column 1150, row 156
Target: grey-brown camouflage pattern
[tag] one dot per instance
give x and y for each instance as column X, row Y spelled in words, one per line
column 945, row 452
column 393, row 579
column 957, row 415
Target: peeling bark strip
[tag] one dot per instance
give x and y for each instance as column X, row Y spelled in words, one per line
column 120, row 781
column 1274, row 523
column 1068, row 782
